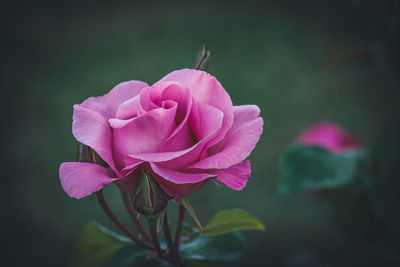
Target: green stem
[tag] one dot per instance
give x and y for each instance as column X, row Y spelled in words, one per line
column 179, row 227
column 117, row 222
column 154, row 237
column 167, row 234
column 134, row 216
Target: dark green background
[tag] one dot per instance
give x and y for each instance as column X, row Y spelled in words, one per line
column 299, row 61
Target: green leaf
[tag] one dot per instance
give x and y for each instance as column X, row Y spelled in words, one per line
column 95, row 246
column 133, row 255
column 315, row 168
column 189, row 208
column 229, row 247
column 226, row 221
column 126, row 255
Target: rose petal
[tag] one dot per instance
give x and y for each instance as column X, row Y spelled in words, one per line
column 177, row 177
column 92, row 129
column 150, row 98
column 205, row 120
column 179, row 191
column 108, row 104
column 143, row 134
column 129, row 109
column 238, row 142
column 235, row 176
column 80, row 179
column 128, row 184
column 206, row 89
column 180, row 138
column 208, row 116
column 90, row 119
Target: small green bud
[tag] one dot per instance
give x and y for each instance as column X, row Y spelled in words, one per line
column 149, row 199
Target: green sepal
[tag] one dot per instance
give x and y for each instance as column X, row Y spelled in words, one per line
column 202, row 58
column 190, row 210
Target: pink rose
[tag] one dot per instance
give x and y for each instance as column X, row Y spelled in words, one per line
column 330, row 136
column 184, row 129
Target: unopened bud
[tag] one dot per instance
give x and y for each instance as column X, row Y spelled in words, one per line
column 149, row 199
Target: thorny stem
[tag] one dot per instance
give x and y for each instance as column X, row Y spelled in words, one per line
column 117, row 222
column 179, row 227
column 134, row 216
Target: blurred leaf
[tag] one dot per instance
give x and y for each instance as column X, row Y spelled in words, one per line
column 126, row 256
column 95, row 246
column 315, row 168
column 229, row 247
column 226, row 221
column 187, row 231
column 189, row 208
column 130, row 256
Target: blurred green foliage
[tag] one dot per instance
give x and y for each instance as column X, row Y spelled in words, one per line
column 316, row 168
column 298, row 61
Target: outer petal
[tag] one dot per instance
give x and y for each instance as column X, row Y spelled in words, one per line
column 238, row 142
column 179, row 191
column 129, row 182
column 206, row 89
column 80, row 179
column 90, row 119
column 177, row 177
column 108, row 104
column 92, row 129
column 235, row 176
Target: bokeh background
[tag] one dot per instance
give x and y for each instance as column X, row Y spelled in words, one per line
column 299, row 61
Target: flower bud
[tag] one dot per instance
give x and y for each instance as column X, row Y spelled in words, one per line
column 149, row 199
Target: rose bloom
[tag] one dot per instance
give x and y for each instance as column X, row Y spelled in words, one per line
column 183, row 129
column 329, row 136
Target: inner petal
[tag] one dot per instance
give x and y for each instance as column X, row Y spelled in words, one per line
column 129, row 109
column 145, row 133
column 151, row 97
column 181, row 138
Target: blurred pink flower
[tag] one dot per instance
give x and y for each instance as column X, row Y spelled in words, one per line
column 184, row 129
column 330, row 136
